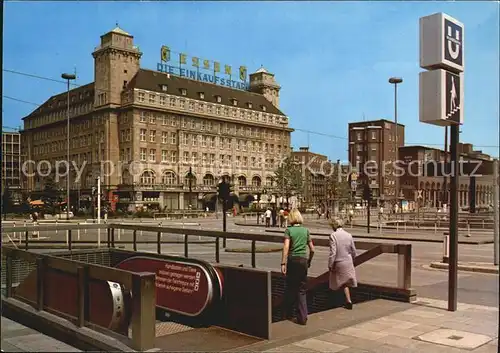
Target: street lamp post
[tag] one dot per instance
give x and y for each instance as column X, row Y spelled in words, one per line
column 67, row 77
column 395, row 81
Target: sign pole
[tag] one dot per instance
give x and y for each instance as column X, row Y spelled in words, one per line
column 453, row 253
column 496, row 186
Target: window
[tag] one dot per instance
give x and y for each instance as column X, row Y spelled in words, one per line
column 186, row 157
column 202, row 95
column 208, row 180
column 204, row 158
column 245, row 161
column 212, row 142
column 143, row 154
column 164, row 88
column 212, row 158
column 263, row 108
column 127, row 136
column 152, row 98
column 143, row 135
column 172, row 102
column 194, row 140
column 218, row 110
column 182, row 103
column 222, row 143
column 152, row 136
column 163, row 100
column 164, row 120
column 168, row 178
column 152, row 118
column 374, row 135
column 204, row 141
column 164, row 137
column 184, row 139
column 358, row 136
column 249, row 105
column 191, row 105
column 173, row 156
column 148, row 177
column 218, row 99
column 173, row 138
column 142, row 118
column 235, row 102
column 164, row 157
column 141, row 97
column 183, row 91
column 194, row 157
column 152, row 155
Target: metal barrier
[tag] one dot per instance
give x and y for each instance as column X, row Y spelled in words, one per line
column 143, row 308
column 373, row 249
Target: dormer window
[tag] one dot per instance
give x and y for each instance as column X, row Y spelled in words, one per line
column 202, row 95
column 164, row 88
column 235, row 102
column 218, row 99
column 183, row 91
column 249, row 105
column 263, row 108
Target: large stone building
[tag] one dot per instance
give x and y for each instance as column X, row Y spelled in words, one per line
column 374, row 142
column 423, row 179
column 11, row 163
column 151, row 127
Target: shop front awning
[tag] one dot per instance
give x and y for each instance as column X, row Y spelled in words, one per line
column 208, row 198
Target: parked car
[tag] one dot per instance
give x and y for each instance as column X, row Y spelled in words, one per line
column 63, row 215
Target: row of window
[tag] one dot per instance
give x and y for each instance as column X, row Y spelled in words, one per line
column 208, row 108
column 75, row 142
column 74, row 110
column 373, row 135
column 75, row 128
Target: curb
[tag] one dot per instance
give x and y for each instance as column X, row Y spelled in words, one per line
column 257, row 250
column 469, row 242
column 468, row 268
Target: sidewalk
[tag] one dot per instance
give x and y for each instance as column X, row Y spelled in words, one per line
column 426, row 327
column 483, row 267
column 19, row 338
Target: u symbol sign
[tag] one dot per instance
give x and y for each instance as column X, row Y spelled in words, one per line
column 453, row 48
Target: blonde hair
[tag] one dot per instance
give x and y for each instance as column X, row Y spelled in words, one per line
column 295, row 217
column 336, row 223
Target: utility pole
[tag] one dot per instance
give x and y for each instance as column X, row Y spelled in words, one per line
column 98, row 210
column 496, row 186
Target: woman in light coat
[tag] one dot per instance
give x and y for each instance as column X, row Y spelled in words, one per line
column 341, row 261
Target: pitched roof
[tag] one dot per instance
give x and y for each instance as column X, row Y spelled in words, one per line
column 153, row 81
column 58, row 100
column 119, row 31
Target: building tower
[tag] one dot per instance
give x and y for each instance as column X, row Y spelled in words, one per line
column 116, row 61
column 263, row 82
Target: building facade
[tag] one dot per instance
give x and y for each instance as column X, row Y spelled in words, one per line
column 11, row 164
column 144, row 131
column 424, row 176
column 315, row 168
column 373, row 153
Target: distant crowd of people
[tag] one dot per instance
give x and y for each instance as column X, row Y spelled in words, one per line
column 270, row 217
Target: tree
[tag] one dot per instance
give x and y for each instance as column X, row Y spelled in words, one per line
column 288, row 178
column 50, row 194
column 337, row 184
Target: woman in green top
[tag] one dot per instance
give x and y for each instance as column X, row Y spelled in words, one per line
column 294, row 265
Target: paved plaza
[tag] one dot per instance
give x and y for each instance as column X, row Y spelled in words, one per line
column 423, row 326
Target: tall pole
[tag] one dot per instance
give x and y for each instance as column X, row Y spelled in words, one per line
column 67, row 77
column 99, row 210
column 496, row 186
column 453, row 253
column 444, row 199
column 395, row 81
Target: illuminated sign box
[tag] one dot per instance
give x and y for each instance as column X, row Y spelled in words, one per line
column 441, row 97
column 441, row 43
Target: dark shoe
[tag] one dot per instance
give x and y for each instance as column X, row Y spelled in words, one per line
column 303, row 323
column 348, row 306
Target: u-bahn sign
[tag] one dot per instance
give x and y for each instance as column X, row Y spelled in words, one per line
column 183, row 286
column 441, row 43
column 441, row 98
column 442, row 53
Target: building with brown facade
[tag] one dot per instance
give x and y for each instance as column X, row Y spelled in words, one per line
column 372, row 152
column 315, row 167
column 150, row 127
column 423, row 179
column 11, row 163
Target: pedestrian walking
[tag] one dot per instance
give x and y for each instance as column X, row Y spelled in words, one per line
column 341, row 261
column 34, row 220
column 282, row 217
column 268, row 215
column 294, row 265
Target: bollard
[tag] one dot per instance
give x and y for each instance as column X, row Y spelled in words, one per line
column 140, row 221
column 435, row 227
column 85, row 231
column 446, row 248
column 56, row 226
column 397, row 227
column 67, row 238
column 468, row 230
column 78, row 232
column 118, row 233
column 405, row 226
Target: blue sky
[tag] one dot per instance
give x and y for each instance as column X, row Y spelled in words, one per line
column 332, row 59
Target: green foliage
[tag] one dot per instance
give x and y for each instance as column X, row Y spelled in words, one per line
column 337, row 184
column 288, row 178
